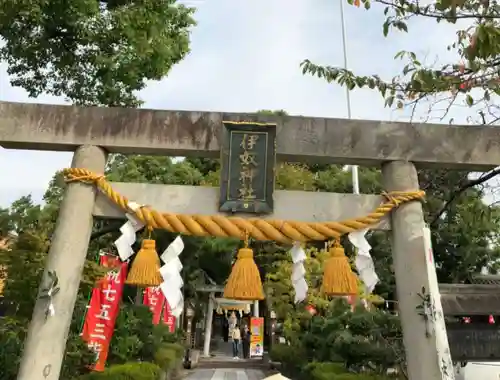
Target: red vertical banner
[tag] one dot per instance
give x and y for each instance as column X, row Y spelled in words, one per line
column 154, row 298
column 168, row 318
column 103, row 310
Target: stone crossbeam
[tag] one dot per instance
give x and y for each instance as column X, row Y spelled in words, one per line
column 178, row 199
column 299, row 139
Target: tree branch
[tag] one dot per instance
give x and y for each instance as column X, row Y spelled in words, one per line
column 428, row 11
column 460, row 191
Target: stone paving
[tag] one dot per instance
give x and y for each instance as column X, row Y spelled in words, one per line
column 225, row 374
column 222, row 366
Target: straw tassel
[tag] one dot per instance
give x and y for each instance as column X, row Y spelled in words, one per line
column 244, row 282
column 338, row 277
column 145, row 270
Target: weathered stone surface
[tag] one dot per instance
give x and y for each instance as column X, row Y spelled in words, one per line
column 299, row 139
column 409, row 255
column 289, row 205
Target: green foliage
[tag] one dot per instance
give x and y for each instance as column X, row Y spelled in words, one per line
column 127, row 371
column 204, row 165
column 324, row 370
column 92, row 52
column 471, row 78
column 294, row 177
column 176, row 347
column 335, row 371
column 78, row 358
column 277, row 113
column 169, row 355
column 339, row 340
column 152, row 169
column 282, row 353
column 165, row 358
column 292, row 357
column 280, row 291
column 135, row 335
column 12, row 332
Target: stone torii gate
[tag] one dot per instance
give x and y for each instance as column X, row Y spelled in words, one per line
column 92, row 133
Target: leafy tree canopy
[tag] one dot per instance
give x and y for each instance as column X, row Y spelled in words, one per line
column 471, row 78
column 464, row 229
column 92, row 52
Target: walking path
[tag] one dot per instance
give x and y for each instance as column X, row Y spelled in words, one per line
column 222, row 357
column 226, row 374
column 222, row 366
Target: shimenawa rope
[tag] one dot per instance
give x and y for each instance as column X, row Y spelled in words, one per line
column 282, row 231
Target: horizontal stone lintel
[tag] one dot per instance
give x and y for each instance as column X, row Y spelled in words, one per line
column 289, row 205
column 198, row 134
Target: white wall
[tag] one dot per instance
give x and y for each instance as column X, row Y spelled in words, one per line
column 479, row 371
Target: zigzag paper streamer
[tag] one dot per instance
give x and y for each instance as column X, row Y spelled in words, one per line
column 124, row 243
column 364, row 261
column 299, row 282
column 171, row 274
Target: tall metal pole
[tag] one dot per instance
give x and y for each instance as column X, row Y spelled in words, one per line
column 354, row 168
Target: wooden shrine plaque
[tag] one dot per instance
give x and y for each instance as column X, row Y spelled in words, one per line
column 248, row 159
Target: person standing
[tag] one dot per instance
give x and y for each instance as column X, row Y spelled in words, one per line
column 245, row 341
column 236, row 336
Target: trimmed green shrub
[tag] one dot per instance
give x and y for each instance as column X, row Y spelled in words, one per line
column 166, row 358
column 293, row 359
column 127, row 371
column 316, row 369
column 177, row 348
column 336, row 371
column 285, row 353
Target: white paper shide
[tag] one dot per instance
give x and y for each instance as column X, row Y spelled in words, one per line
column 298, row 272
column 364, row 261
column 171, row 274
column 124, row 243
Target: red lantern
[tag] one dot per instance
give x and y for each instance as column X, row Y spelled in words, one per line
column 311, row 309
column 491, row 320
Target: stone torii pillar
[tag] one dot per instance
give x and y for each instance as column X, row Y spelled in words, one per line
column 410, row 268
column 46, row 341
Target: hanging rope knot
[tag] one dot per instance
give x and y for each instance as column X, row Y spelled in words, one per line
column 335, row 248
column 245, row 253
column 246, row 237
column 396, row 198
column 83, row 175
column 391, row 198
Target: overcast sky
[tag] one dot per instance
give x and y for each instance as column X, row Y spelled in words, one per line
column 245, row 57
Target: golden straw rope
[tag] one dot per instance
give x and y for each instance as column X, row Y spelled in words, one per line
column 282, row 231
